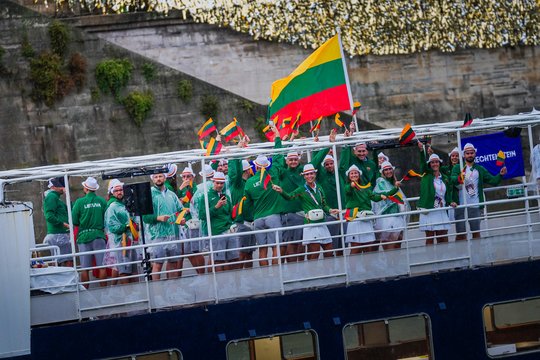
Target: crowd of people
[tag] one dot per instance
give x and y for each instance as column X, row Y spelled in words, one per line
column 241, row 205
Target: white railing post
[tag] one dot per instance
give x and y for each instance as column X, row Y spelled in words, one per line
column 280, row 265
column 340, row 216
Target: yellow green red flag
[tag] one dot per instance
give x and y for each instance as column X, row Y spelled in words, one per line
column 318, row 87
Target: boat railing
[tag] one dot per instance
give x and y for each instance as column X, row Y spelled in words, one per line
column 507, row 235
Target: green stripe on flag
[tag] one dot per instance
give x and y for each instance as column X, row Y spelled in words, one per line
column 312, row 81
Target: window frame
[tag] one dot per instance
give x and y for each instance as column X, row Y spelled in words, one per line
column 428, row 329
column 315, row 338
column 492, row 319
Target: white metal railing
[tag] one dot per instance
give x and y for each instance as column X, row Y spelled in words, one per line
column 514, row 236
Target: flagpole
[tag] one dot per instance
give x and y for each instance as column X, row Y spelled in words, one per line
column 347, row 82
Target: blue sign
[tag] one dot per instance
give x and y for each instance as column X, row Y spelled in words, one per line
column 487, row 147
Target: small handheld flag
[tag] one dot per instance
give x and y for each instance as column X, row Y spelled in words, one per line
column 187, row 197
column 134, row 230
column 500, row 158
column 180, row 216
column 397, row 198
column 410, row 174
column 468, row 120
column 267, row 179
column 237, row 209
column 338, row 121
column 356, row 107
column 350, row 214
column 407, row 134
column 213, row 147
column 207, row 128
column 231, row 130
column 317, row 125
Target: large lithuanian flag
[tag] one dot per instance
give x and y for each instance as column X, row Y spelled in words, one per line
column 318, row 87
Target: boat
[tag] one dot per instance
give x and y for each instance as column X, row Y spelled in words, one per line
column 474, row 299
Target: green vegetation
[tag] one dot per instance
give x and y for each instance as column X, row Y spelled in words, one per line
column 260, row 124
column 50, row 83
column 149, row 71
column 27, row 50
column 247, row 105
column 209, row 106
column 185, row 90
column 138, row 105
column 95, row 95
column 112, row 75
column 59, row 36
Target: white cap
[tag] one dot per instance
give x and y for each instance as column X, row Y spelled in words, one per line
column 469, row 146
column 207, row 171
column 172, row 169
column 382, row 155
column 353, row 168
column 223, row 162
column 293, row 154
column 434, row 157
column 114, row 183
column 386, row 165
column 453, row 151
column 218, row 177
column 262, row 161
column 245, row 165
column 361, row 143
column 188, row 171
column 308, row 168
column 326, row 158
column 91, row 184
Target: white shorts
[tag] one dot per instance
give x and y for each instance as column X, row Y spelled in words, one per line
column 316, row 235
column 360, row 231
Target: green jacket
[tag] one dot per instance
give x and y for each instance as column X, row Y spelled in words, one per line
column 362, row 198
column 311, row 199
column 483, row 177
column 220, row 219
column 237, row 186
column 447, row 170
column 327, row 180
column 88, row 213
column 368, row 167
column 289, row 179
column 116, row 221
column 263, row 202
column 56, row 214
column 427, row 189
column 163, row 203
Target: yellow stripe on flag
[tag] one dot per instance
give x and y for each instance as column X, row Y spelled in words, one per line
column 326, row 52
column 180, row 216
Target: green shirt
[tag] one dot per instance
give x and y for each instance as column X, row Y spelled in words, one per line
column 88, row 213
column 220, row 218
column 427, row 189
column 367, row 166
column 289, row 179
column 237, row 186
column 264, row 202
column 310, row 199
column 362, row 198
column 327, row 180
column 55, row 211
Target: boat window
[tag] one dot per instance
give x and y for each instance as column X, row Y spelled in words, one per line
column 512, row 327
column 300, row 345
column 395, row 338
column 160, row 355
